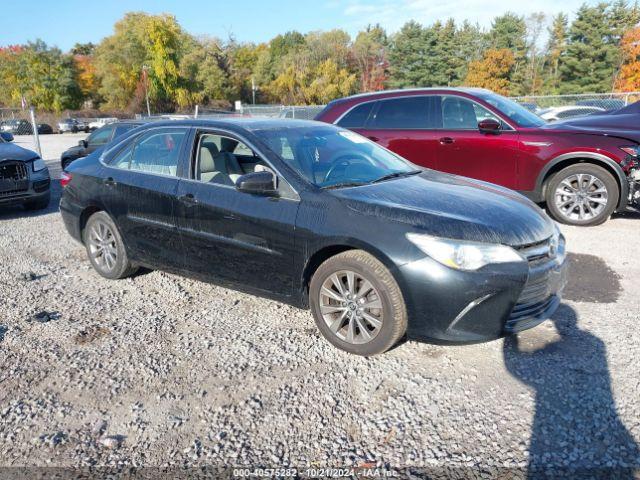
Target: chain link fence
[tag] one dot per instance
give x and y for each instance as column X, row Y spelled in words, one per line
column 20, row 126
column 556, row 107
column 304, row 112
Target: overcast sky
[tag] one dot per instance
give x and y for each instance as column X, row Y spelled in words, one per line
column 65, row 22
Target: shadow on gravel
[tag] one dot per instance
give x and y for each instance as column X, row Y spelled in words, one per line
column 576, row 429
column 12, row 212
column 591, row 280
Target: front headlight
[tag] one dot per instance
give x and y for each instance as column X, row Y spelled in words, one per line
column 463, row 255
column 38, row 164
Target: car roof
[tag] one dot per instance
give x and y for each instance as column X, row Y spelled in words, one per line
column 382, row 93
column 237, row 123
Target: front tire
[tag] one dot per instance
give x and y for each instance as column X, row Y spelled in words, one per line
column 582, row 194
column 105, row 248
column 357, row 304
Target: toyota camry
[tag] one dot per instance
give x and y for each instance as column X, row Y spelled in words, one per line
column 319, row 217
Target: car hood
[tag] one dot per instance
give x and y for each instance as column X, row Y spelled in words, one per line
column 76, row 150
column 11, row 151
column 453, row 207
column 621, row 126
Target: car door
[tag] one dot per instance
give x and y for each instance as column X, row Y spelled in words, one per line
column 231, row 237
column 98, row 139
column 405, row 125
column 464, row 150
column 140, row 183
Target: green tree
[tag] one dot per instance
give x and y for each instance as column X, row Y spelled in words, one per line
column 370, row 58
column 410, row 60
column 555, row 51
column 45, row 76
column 509, row 31
column 154, row 42
column 592, row 54
column 204, row 70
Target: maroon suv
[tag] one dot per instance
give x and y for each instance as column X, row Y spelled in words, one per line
column 583, row 175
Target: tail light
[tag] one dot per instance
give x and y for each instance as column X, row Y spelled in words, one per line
column 65, row 178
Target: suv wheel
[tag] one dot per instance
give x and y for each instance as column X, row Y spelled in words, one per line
column 357, row 304
column 582, row 194
column 105, row 248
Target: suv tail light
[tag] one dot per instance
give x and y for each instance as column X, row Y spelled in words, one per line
column 65, row 178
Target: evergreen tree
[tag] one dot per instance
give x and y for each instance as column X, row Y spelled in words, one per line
column 509, row 31
column 592, row 52
column 410, row 57
column 556, row 49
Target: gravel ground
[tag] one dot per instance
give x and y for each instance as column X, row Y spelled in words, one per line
column 162, row 371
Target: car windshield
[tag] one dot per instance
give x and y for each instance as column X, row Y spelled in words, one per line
column 330, row 157
column 513, row 110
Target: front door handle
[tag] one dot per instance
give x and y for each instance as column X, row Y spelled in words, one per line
column 447, row 140
column 109, row 182
column 374, row 139
column 188, row 199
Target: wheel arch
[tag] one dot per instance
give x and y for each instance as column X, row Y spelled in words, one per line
column 328, row 250
column 85, row 215
column 567, row 159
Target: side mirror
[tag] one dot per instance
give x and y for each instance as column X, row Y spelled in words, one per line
column 83, row 143
column 257, row 183
column 489, row 125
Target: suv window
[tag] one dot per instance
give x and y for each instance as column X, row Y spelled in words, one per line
column 460, row 113
column 404, row 112
column 120, row 129
column 357, row 117
column 157, row 151
column 100, row 136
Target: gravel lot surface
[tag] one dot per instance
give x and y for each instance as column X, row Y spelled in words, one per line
column 164, row 371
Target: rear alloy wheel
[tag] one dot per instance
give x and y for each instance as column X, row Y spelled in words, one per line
column 105, row 248
column 582, row 194
column 357, row 304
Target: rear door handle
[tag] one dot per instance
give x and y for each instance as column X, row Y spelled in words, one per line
column 374, row 139
column 447, row 140
column 110, row 182
column 188, row 199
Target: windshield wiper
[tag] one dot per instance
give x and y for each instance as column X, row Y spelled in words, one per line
column 344, row 185
column 390, row 176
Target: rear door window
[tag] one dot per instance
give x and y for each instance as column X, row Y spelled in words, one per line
column 157, row 151
column 405, row 113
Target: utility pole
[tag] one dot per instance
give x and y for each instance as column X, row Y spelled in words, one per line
column 253, row 90
column 145, row 78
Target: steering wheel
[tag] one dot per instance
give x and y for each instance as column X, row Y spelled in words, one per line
column 346, row 160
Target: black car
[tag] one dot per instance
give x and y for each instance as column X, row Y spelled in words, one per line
column 314, row 215
column 24, row 177
column 99, row 138
column 24, row 127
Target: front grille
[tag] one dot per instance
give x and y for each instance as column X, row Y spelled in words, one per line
column 15, row 171
column 535, row 297
column 536, row 252
column 14, row 178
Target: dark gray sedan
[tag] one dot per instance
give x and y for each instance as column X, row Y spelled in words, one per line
column 24, row 177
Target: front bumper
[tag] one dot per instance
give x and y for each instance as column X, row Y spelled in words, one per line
column 451, row 306
column 37, row 186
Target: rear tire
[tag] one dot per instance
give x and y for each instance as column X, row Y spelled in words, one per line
column 582, row 194
column 105, row 248
column 369, row 316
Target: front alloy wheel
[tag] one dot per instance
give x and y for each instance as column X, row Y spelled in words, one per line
column 582, row 194
column 357, row 303
column 351, row 307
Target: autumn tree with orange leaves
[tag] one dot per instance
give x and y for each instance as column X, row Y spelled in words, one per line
column 492, row 71
column 629, row 77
